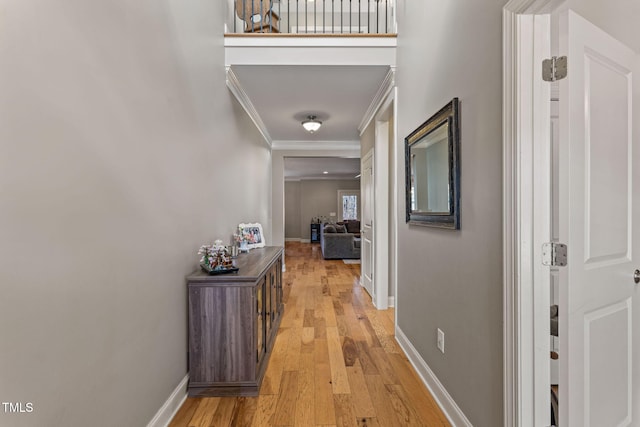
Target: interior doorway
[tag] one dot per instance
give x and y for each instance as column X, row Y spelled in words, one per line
column 582, row 192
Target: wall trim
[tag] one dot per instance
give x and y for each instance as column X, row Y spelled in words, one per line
column 384, row 90
column 391, row 302
column 173, row 403
column 305, row 240
column 315, row 145
column 235, row 87
column 292, row 239
column 444, row 400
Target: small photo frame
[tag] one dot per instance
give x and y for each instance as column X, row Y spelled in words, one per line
column 255, row 234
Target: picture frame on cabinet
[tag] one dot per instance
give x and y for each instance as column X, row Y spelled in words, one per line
column 253, row 234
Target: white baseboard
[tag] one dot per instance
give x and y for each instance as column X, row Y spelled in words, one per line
column 451, row 410
column 305, row 240
column 291, row 239
column 392, row 302
column 166, row 413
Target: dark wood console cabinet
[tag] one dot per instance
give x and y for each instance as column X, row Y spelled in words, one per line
column 233, row 322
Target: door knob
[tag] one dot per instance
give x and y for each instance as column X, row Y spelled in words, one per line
column 636, row 276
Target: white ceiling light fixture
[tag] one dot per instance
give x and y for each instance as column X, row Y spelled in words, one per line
column 311, row 125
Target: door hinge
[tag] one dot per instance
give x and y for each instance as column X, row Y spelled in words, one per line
column 554, row 254
column 554, row 69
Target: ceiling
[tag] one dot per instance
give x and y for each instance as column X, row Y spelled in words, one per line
column 314, row 167
column 283, row 95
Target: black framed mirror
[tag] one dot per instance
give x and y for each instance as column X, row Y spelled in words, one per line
column 432, row 167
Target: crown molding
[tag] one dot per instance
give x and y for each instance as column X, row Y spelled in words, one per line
column 383, row 91
column 316, row 145
column 236, row 89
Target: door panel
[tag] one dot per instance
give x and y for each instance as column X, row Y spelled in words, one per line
column 366, row 242
column 596, row 201
column 608, row 140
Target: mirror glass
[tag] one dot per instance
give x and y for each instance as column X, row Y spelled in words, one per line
column 430, row 172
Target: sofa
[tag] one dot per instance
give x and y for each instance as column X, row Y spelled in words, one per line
column 336, row 243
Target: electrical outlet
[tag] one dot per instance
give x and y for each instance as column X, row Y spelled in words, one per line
column 440, row 340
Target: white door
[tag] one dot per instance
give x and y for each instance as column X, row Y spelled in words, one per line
column 366, row 243
column 598, row 220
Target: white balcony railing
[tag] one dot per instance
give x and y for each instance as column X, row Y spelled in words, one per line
column 312, row 16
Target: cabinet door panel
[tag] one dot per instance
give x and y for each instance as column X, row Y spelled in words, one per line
column 260, row 320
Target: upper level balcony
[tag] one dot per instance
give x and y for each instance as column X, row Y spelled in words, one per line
column 303, row 17
column 310, row 32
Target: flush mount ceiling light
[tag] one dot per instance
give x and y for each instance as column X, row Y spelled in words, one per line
column 311, row 124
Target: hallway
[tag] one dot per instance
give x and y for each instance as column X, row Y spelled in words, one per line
column 335, row 361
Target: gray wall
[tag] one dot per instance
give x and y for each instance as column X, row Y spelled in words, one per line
column 292, row 206
column 319, row 198
column 121, row 150
column 453, row 279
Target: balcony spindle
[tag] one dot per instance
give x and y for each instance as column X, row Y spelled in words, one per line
column 350, row 16
column 377, row 16
column 324, row 15
column 369, row 16
column 386, row 16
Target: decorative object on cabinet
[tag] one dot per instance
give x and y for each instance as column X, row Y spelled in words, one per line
column 251, row 234
column 432, row 167
column 233, row 323
column 216, row 259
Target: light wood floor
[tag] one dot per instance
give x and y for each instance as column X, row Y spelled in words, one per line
column 335, row 361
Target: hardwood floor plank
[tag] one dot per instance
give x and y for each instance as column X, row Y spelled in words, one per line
column 368, row 422
column 385, row 412
column 273, row 375
column 265, row 411
column 385, row 369
column 416, row 391
column 305, row 408
column 328, row 311
column 309, row 318
column 364, row 356
column 307, row 340
column 339, row 380
column 292, row 359
column 323, row 392
column 224, row 412
column 245, row 412
column 185, row 413
column 285, row 408
column 345, row 413
column 362, row 403
column 349, row 351
column 204, row 413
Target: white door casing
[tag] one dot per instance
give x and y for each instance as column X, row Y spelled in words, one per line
column 597, row 199
column 367, row 223
column 381, row 213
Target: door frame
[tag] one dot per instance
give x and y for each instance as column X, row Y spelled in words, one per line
column 526, row 154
